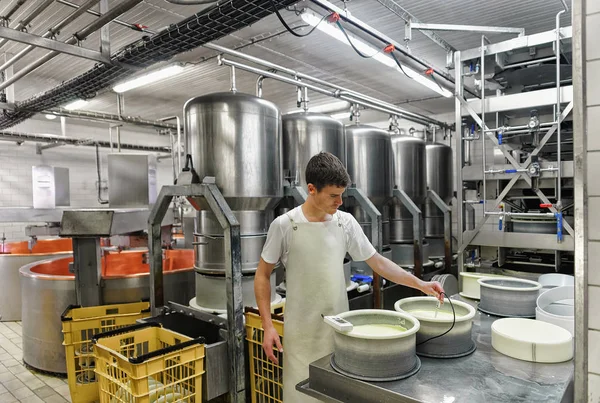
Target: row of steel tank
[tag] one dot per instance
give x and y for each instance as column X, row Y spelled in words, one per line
column 253, row 151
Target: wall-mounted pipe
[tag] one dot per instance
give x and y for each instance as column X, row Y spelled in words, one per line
column 558, row 112
column 484, row 195
column 51, row 32
column 179, row 167
column 23, row 137
column 98, row 169
column 25, row 21
column 78, row 36
column 120, row 107
column 110, row 118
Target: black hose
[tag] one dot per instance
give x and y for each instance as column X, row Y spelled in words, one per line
column 447, row 331
column 289, row 29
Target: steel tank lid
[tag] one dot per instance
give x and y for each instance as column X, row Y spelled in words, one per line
column 438, row 145
column 315, row 117
column 225, row 102
column 403, row 138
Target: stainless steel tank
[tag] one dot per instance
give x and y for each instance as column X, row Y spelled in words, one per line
column 409, row 175
column 368, row 161
column 50, row 288
column 306, row 134
column 439, row 179
column 237, row 139
column 13, row 256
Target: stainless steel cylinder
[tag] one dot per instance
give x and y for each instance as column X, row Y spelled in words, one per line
column 236, row 138
column 408, row 174
column 211, row 291
column 368, row 162
column 439, row 179
column 436, row 321
column 376, row 357
column 306, row 134
column 511, row 297
column 437, row 247
column 403, row 254
column 10, row 287
column 209, row 243
column 363, row 268
column 50, row 288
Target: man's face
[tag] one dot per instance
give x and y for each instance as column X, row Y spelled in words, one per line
column 329, row 199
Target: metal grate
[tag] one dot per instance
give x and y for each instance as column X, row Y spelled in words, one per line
column 208, row 25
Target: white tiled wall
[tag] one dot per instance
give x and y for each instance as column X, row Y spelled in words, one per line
column 16, row 162
column 592, row 30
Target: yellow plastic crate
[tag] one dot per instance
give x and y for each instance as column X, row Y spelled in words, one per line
column 79, row 325
column 266, row 378
column 145, row 363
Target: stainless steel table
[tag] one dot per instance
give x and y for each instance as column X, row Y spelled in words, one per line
column 485, row 376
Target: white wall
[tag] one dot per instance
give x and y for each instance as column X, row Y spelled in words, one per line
column 16, row 162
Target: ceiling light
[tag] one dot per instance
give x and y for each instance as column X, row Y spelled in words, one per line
column 78, row 104
column 341, row 116
column 382, row 58
column 149, row 78
column 50, row 116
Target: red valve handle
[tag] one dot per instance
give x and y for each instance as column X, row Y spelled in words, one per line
column 546, row 205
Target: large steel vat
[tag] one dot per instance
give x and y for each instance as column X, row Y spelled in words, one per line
column 13, row 256
column 440, row 180
column 49, row 288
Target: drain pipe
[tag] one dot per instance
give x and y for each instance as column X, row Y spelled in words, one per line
column 51, row 32
column 558, row 112
column 178, row 137
column 25, row 21
column 120, row 107
column 98, row 169
column 77, row 37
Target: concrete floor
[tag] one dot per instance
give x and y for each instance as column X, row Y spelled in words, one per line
column 19, row 384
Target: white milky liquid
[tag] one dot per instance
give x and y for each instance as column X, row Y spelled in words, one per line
column 432, row 313
column 377, row 330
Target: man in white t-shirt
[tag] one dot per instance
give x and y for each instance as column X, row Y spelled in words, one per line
column 312, row 241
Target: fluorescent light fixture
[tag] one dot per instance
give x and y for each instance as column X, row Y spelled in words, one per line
column 149, row 78
column 341, row 116
column 50, row 116
column 80, row 103
column 366, row 49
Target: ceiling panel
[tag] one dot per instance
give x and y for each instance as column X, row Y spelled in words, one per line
column 318, row 54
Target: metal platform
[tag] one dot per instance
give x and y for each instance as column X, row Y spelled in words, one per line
column 484, row 376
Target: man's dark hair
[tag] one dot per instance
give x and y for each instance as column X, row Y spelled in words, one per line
column 325, row 169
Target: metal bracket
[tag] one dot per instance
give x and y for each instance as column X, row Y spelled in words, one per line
column 87, row 264
column 39, row 147
column 376, row 236
column 447, row 228
column 233, row 271
column 417, row 229
column 297, row 192
column 50, row 44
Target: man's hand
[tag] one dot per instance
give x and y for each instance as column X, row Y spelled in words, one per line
column 433, row 288
column 271, row 338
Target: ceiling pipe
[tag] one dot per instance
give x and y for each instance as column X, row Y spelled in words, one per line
column 135, row 27
column 110, row 118
column 21, row 137
column 77, row 37
column 52, row 32
column 13, row 10
column 25, row 21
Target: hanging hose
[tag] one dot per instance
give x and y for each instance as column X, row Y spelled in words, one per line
column 100, row 200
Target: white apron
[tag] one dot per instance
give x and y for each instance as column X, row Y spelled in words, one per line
column 315, row 285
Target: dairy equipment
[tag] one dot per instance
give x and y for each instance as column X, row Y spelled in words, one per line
column 368, row 164
column 49, row 288
column 50, row 186
column 131, row 179
column 408, row 174
column 13, row 256
column 440, row 180
column 306, row 134
column 235, row 138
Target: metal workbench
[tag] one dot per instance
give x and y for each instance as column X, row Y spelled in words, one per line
column 484, row 376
